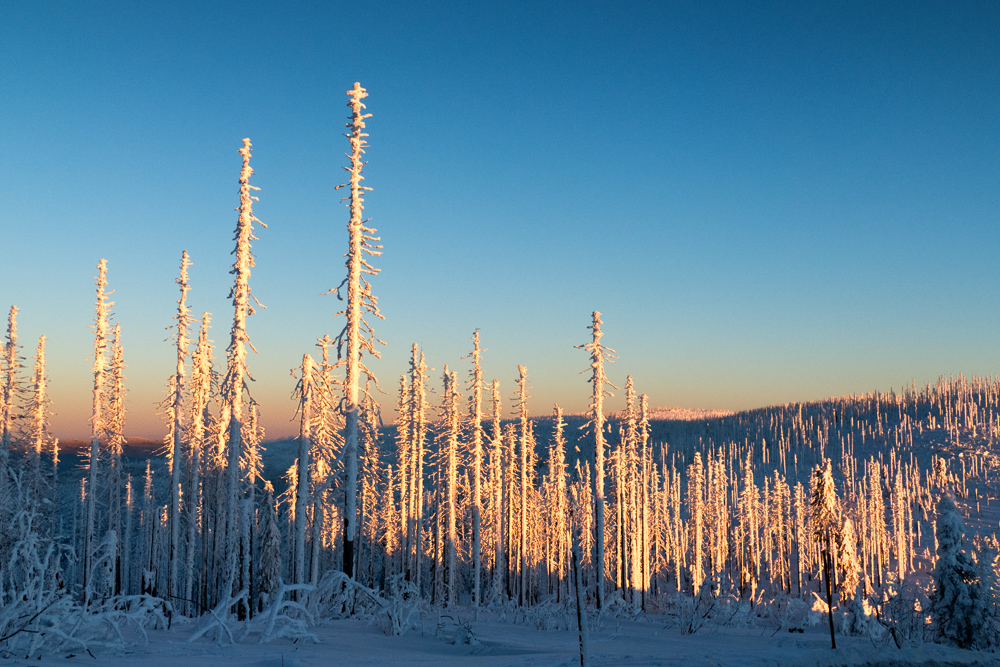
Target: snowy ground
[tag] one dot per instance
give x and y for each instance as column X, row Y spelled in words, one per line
column 655, row 640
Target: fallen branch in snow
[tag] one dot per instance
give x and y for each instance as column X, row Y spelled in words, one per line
column 220, row 619
column 287, row 626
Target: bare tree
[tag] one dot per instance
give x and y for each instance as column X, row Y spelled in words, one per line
column 357, row 333
column 175, row 411
column 305, row 392
column 96, row 420
column 598, row 355
column 476, row 424
column 234, row 383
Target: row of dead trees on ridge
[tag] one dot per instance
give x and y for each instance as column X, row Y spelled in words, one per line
column 677, row 524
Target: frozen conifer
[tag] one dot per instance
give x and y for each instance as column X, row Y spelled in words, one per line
column 175, row 411
column 115, row 439
column 200, row 421
column 234, row 383
column 305, row 393
column 38, row 404
column 961, row 607
column 97, row 421
column 524, row 443
column 9, row 389
column 848, row 567
column 270, row 549
column 476, row 425
column 357, row 332
column 826, row 528
column 598, row 355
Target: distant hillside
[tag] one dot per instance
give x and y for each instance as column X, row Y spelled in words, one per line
column 136, row 448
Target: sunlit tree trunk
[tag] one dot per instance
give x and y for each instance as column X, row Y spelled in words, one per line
column 452, row 424
column 475, row 419
column 357, row 333
column 523, row 444
column 234, row 383
column 598, row 355
column 176, row 411
column 115, row 434
column 497, row 480
column 418, row 433
column 201, row 391
column 302, row 477
column 96, row 421
column 10, row 364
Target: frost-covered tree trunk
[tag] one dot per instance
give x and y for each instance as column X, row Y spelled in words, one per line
column 302, row 477
column 115, row 434
column 496, row 480
column 452, row 424
column 418, row 426
column 96, row 422
column 647, row 471
column 403, row 457
column 176, row 412
column 476, row 423
column 557, row 470
column 327, row 446
column 598, row 355
column 826, row 528
column 523, row 445
column 234, row 383
column 37, row 406
column 250, row 469
column 127, row 540
column 201, row 393
column 11, row 365
column 370, row 473
column 512, row 491
column 357, row 333
column 270, row 551
column 696, row 508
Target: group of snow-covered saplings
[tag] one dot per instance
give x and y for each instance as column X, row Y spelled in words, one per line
column 846, row 504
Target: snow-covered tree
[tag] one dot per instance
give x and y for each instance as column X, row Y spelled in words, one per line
column 558, row 503
column 497, row 468
column 962, row 607
column 418, row 436
column 234, row 383
column 848, row 567
column 9, row 388
column 38, row 406
column 826, row 528
column 115, row 442
column 696, row 512
column 175, row 410
column 270, row 550
column 524, row 444
column 97, row 421
column 357, row 332
column 200, row 421
column 476, row 426
column 598, row 355
column 305, row 393
column 451, row 419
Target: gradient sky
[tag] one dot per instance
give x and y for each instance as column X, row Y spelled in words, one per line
column 769, row 201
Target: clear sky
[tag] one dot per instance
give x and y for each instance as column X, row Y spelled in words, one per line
column 769, row 201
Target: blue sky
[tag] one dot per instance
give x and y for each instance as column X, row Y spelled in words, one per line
column 769, row 202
